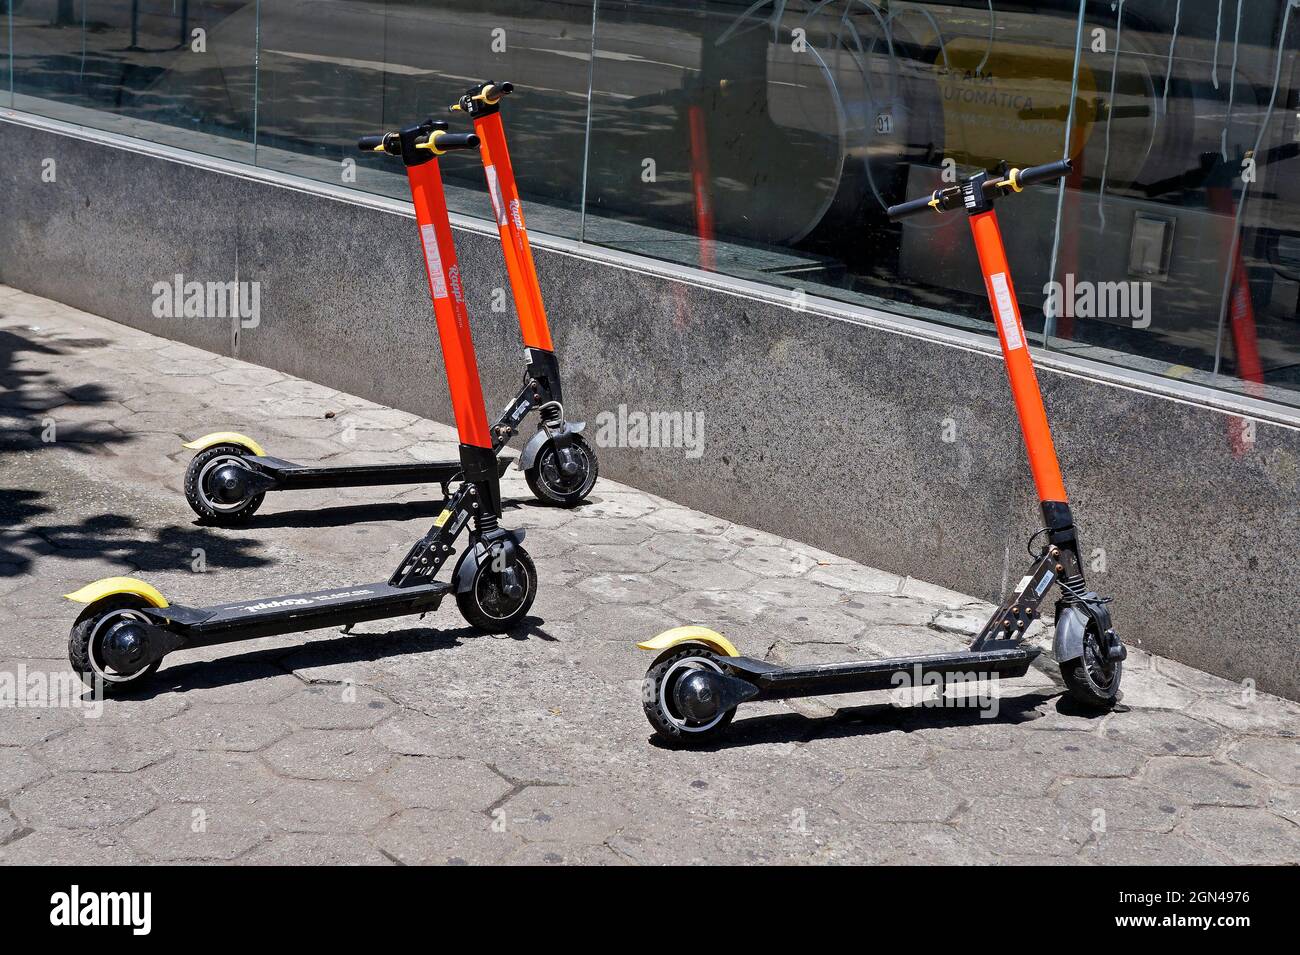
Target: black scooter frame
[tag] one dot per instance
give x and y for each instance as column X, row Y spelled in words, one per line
column 128, row 627
column 693, row 687
column 228, row 478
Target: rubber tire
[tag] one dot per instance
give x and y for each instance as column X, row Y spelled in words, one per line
column 664, row 727
column 467, row 600
column 1083, row 689
column 207, row 514
column 79, row 641
column 548, row 495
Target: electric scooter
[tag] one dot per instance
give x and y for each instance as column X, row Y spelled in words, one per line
column 227, row 480
column 558, row 463
column 698, row 678
column 128, row 626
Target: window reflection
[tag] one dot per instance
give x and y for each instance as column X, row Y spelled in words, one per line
column 766, row 139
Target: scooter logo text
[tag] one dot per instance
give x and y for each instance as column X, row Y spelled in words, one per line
column 301, row 601
column 453, row 276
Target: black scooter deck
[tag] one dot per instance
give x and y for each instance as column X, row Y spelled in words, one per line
column 300, row 477
column 292, row 613
column 857, row 676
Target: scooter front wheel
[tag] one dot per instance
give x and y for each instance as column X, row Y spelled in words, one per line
column 216, row 486
column 548, row 480
column 662, row 698
column 487, row 603
column 105, row 638
column 1093, row 679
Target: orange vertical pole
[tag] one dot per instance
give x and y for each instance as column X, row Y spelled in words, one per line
column 1015, row 351
column 1241, row 311
column 449, row 304
column 700, row 180
column 514, row 236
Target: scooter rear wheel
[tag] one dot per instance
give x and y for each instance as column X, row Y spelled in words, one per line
column 85, row 643
column 1093, row 679
column 552, row 486
column 657, row 697
column 203, row 495
column 484, row 604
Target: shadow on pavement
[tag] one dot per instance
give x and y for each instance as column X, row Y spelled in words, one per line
column 34, row 397
column 341, row 514
column 253, row 665
column 112, row 537
column 873, row 718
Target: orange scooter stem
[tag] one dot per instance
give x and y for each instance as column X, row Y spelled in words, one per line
column 1020, row 367
column 449, row 304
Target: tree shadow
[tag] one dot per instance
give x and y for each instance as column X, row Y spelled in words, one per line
column 111, row 537
column 31, row 399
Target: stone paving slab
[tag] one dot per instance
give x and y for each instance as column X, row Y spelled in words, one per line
column 402, row 743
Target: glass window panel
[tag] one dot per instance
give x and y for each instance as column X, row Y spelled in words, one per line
column 767, row 140
column 1174, row 98
column 6, row 45
column 335, row 69
column 171, row 71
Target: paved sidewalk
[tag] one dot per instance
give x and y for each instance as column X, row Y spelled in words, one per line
column 404, row 743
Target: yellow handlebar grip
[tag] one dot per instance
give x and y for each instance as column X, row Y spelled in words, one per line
column 1012, row 182
column 431, row 143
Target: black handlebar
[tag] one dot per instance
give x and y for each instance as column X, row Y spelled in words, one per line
column 445, row 142
column 1044, row 173
column 912, row 206
column 415, row 144
column 483, row 99
column 996, row 184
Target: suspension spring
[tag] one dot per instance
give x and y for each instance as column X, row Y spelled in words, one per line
column 551, row 414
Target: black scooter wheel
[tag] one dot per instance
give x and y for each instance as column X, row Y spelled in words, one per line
column 484, row 604
column 206, row 499
column 671, row 726
column 86, row 643
column 552, row 486
column 1093, row 679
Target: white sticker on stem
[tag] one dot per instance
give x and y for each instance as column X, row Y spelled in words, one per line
column 1006, row 311
column 433, row 261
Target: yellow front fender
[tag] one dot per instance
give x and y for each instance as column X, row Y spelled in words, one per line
column 117, row 585
column 224, row 437
column 710, row 638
